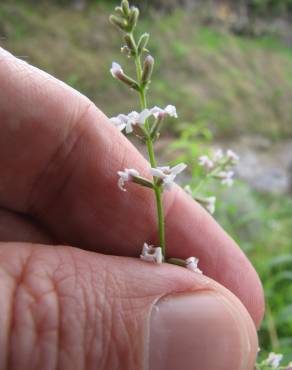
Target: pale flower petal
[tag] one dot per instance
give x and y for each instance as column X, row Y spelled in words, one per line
column 226, row 177
column 206, row 162
column 232, row 156
column 126, row 175
column 218, row 155
column 169, row 110
column 119, row 122
column 143, row 116
column 274, row 360
column 192, row 264
column 135, row 118
column 150, row 253
column 178, row 168
column 116, row 69
column 167, row 174
column 210, row 204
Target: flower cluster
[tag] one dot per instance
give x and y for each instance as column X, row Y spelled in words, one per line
column 135, row 122
column 273, row 362
column 163, row 177
column 166, row 175
column 219, row 165
column 146, row 125
column 216, row 167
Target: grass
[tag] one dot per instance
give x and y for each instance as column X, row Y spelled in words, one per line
column 262, row 225
column 235, row 84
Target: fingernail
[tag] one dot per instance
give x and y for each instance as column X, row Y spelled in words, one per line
column 200, row 331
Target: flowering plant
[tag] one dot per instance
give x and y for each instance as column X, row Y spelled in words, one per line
column 146, row 125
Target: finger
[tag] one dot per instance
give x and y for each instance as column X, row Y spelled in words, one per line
column 70, row 309
column 16, row 227
column 58, row 160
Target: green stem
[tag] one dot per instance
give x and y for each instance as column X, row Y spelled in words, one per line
column 152, row 159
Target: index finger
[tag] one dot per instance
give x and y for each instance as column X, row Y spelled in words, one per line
column 59, row 158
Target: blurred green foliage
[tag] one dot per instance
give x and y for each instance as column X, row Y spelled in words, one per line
column 261, row 224
column 228, row 81
column 271, row 6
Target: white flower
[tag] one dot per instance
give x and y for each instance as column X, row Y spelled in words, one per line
column 135, row 118
column 192, row 264
column 126, row 175
column 151, row 254
column 226, row 177
column 167, row 174
column 218, row 155
column 168, row 110
column 119, row 122
column 206, row 162
column 210, row 204
column 232, row 156
column 274, row 360
column 116, row 70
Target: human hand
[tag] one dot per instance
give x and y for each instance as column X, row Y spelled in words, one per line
column 72, row 307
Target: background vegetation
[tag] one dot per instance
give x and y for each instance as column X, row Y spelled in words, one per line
column 227, row 68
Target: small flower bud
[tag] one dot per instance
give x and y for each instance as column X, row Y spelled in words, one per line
column 118, row 22
column 208, row 203
column 130, row 44
column 119, row 10
column 132, row 175
column 118, row 73
column 206, row 162
column 142, row 43
column 147, row 69
column 125, row 7
column 226, row 177
column 154, row 133
column 133, row 18
column 129, row 81
column 232, row 157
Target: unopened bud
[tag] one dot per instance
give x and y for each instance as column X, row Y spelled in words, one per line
column 129, row 42
column 119, row 10
column 125, row 7
column 139, row 132
column 147, row 69
column 133, row 18
column 118, row 22
column 208, row 203
column 118, row 73
column 156, row 127
column 142, row 43
column 128, row 81
column 142, row 181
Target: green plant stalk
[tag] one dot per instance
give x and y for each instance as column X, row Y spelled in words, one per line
column 152, row 159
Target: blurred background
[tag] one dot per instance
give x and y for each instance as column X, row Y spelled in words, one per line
column 227, row 66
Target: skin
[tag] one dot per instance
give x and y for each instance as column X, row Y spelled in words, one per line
column 72, row 295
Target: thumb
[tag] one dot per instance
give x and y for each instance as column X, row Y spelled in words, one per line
column 70, row 309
